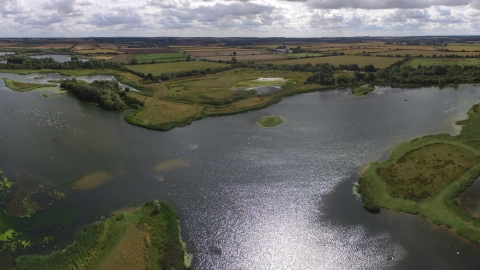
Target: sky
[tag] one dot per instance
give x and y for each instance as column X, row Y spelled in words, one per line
column 243, row 18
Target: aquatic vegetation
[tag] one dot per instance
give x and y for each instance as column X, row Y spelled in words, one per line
column 140, row 239
column 19, row 202
column 171, row 165
column 93, row 180
column 23, row 86
column 270, row 121
column 426, row 175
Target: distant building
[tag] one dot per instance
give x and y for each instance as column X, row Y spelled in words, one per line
column 284, row 51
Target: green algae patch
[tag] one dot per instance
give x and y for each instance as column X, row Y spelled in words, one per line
column 147, row 238
column 362, row 90
column 270, row 121
column 23, row 86
column 19, row 203
column 426, row 175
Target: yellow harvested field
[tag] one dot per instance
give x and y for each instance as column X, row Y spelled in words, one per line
column 378, row 62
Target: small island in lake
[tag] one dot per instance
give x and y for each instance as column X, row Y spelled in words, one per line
column 270, row 121
column 426, row 175
column 362, row 90
column 23, row 86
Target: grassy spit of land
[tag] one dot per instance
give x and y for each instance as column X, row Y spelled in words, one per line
column 23, row 86
column 425, row 175
column 147, row 238
column 362, row 90
column 270, row 121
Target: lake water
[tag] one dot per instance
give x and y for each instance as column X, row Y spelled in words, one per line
column 57, row 57
column 5, row 53
column 247, row 197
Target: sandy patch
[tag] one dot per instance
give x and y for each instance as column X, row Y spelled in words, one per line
column 93, row 180
column 171, row 165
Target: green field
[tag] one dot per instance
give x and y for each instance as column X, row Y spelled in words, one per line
column 299, row 55
column 443, row 61
column 157, row 69
column 426, row 175
column 160, row 57
column 378, row 62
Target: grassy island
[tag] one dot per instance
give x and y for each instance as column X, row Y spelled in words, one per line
column 362, row 90
column 146, row 238
column 426, row 175
column 270, row 121
column 23, row 86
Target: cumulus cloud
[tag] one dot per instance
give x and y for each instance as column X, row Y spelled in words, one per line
column 63, row 7
column 43, row 20
column 169, row 3
column 12, row 7
column 119, row 17
column 384, row 4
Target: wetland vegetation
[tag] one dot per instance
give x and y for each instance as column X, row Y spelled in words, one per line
column 426, row 175
column 23, row 86
column 270, row 121
column 147, row 238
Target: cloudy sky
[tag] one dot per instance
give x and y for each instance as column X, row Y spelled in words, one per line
column 264, row 18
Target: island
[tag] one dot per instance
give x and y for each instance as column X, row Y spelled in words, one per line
column 144, row 238
column 362, row 90
column 270, row 121
column 426, row 175
column 24, row 86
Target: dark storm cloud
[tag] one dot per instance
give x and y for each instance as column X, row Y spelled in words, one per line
column 384, row 4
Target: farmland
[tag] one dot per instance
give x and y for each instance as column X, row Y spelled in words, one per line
column 166, row 57
column 442, row 61
column 157, row 69
column 378, row 62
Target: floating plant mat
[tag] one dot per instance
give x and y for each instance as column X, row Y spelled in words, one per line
column 20, row 203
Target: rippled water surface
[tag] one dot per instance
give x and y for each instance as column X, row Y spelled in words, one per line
column 247, row 197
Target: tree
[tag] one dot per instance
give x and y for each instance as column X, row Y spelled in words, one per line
column 157, row 206
column 234, row 60
column 134, row 61
column 234, row 53
column 369, row 68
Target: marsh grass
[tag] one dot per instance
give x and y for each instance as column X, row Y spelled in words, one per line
column 425, row 175
column 270, row 121
column 23, row 86
column 142, row 239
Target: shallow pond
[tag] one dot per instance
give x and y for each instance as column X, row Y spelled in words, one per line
column 57, row 57
column 6, row 53
column 469, row 200
column 247, row 197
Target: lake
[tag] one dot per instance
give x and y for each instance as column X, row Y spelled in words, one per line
column 57, row 57
column 247, row 197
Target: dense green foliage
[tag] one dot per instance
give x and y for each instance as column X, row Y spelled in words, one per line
column 105, row 93
column 17, row 63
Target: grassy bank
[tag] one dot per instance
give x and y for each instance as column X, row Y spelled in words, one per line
column 362, row 90
column 270, row 121
column 147, row 238
column 425, row 175
column 23, row 86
